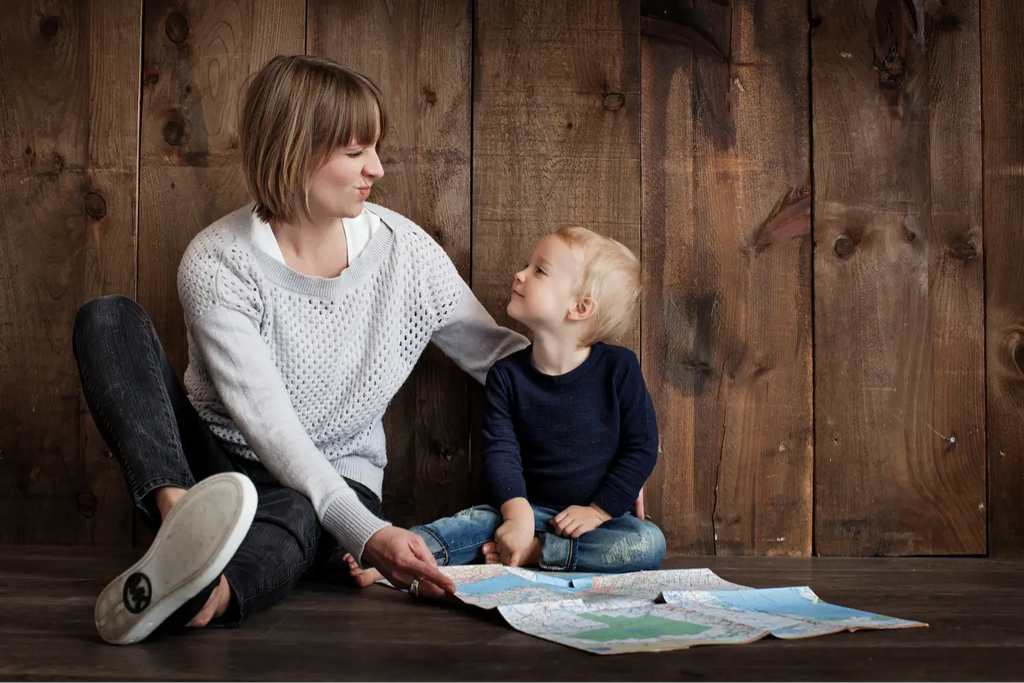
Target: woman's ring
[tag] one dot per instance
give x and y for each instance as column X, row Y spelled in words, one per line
column 414, row 587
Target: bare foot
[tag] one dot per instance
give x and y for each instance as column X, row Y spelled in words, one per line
column 166, row 497
column 216, row 604
column 530, row 559
column 362, row 577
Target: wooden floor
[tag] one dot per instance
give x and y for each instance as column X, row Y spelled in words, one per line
column 322, row 631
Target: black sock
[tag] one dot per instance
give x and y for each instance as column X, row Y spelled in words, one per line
column 187, row 612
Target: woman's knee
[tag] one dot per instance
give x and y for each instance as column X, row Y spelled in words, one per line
column 105, row 315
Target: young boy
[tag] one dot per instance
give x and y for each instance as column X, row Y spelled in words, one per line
column 570, row 434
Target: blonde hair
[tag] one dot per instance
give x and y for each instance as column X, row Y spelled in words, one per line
column 297, row 110
column 611, row 280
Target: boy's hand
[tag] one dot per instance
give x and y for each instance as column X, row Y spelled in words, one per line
column 513, row 539
column 576, row 520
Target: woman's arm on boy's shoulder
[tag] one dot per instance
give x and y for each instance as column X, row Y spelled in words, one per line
column 638, row 443
column 464, row 330
column 472, row 339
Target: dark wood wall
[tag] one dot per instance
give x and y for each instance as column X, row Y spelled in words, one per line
column 826, row 201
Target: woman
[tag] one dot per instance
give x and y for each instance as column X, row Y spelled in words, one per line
column 305, row 311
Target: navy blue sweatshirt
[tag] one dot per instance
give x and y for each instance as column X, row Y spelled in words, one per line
column 588, row 436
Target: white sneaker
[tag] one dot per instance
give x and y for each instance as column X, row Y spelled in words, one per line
column 194, row 544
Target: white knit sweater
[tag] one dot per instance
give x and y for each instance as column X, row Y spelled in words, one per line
column 297, row 371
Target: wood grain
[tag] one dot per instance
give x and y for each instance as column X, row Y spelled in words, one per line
column 198, row 59
column 556, row 107
column 68, row 141
column 419, row 54
column 972, row 607
column 727, row 292
column 899, row 302
column 1003, row 76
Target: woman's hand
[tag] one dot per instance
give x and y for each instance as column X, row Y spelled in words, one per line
column 576, row 520
column 402, row 557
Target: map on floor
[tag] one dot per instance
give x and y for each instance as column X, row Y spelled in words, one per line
column 652, row 611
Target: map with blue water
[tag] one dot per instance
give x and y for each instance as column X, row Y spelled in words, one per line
column 653, row 611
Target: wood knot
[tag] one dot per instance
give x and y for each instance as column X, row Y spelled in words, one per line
column 965, row 251
column 845, row 246
column 947, row 21
column 174, row 132
column 151, row 79
column 176, row 28
column 448, row 453
column 86, row 504
column 815, row 22
column 909, row 234
column 569, row 124
column 95, row 206
column 429, row 95
column 1010, row 357
column 49, row 26
column 613, row 101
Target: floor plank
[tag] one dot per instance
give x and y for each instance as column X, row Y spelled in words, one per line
column 327, row 631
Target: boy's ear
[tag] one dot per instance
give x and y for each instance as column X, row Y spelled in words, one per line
column 583, row 310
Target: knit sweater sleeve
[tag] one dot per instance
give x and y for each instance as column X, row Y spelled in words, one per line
column 222, row 312
column 472, row 338
column 464, row 330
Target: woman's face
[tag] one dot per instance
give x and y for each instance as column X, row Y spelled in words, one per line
column 339, row 188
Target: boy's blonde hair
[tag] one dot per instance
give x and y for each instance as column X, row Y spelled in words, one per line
column 297, row 110
column 611, row 280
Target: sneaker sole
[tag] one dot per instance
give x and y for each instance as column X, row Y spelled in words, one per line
column 196, row 541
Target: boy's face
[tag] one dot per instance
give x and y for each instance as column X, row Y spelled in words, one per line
column 544, row 293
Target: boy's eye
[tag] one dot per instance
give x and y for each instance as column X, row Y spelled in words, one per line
column 540, row 271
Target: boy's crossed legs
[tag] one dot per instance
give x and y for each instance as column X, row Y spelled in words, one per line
column 622, row 544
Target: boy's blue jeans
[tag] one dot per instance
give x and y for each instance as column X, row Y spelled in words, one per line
column 622, row 544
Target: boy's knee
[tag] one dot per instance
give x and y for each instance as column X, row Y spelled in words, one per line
column 481, row 514
column 653, row 545
column 639, row 550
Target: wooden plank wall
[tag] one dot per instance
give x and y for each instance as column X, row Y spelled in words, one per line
column 831, row 323
column 899, row 296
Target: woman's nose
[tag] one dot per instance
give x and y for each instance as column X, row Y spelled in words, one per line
column 373, row 168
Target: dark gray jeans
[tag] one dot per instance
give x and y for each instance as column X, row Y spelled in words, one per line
column 149, row 424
